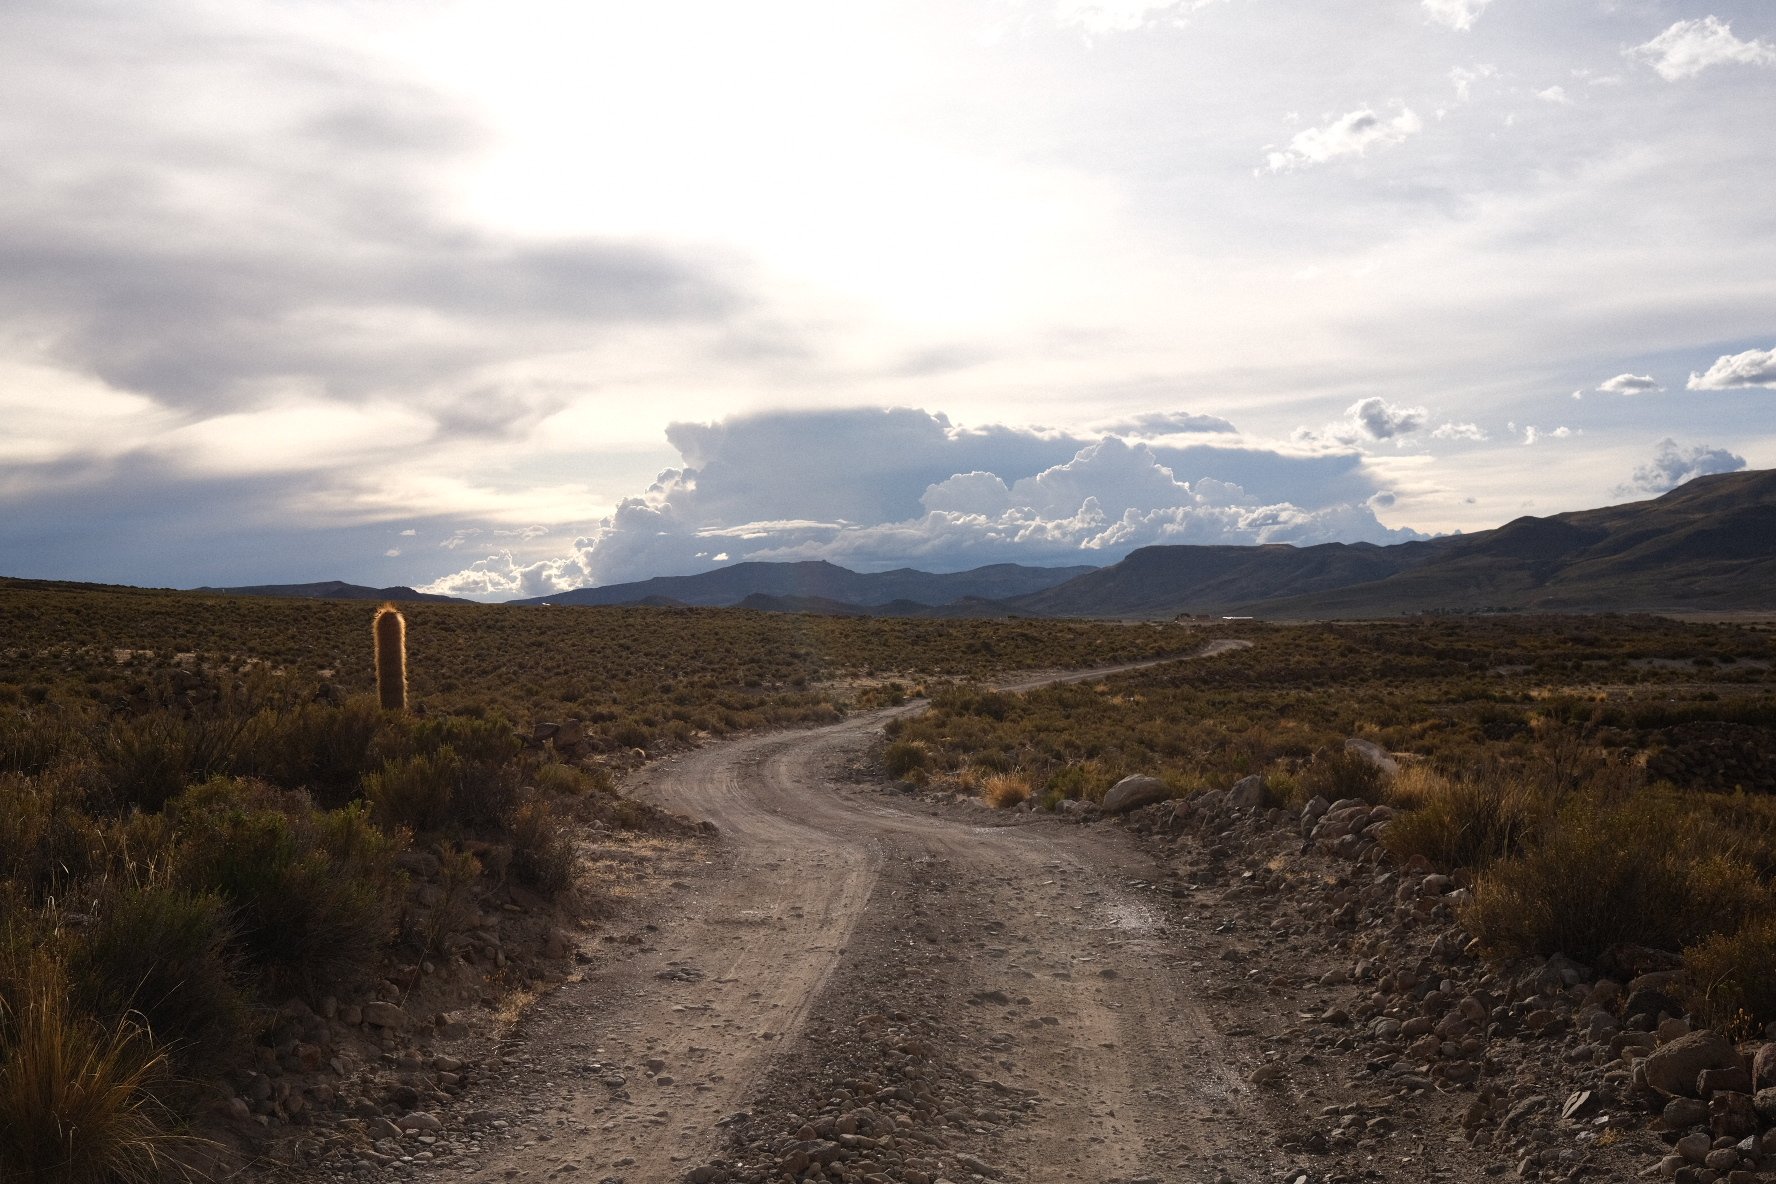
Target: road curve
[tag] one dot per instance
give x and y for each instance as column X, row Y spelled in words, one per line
column 718, row 994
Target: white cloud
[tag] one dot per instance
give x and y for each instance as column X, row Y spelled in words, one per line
column 1554, row 94
column 783, row 486
column 1673, row 464
column 1378, row 419
column 1689, row 47
column 1753, row 368
column 1348, row 135
column 1457, row 14
column 1629, row 384
column 1531, row 434
column 1459, row 431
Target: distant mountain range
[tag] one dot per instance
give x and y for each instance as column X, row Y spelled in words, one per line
column 334, row 590
column 1708, row 544
column 818, row 581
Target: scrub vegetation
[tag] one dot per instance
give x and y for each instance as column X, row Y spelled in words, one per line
column 205, row 812
column 1599, row 781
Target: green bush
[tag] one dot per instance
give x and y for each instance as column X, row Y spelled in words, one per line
column 47, row 840
column 543, row 854
column 1732, row 976
column 1340, row 773
column 165, row 954
column 417, row 792
column 1468, row 823
column 901, row 758
column 1646, row 871
column 323, row 748
column 311, row 893
column 150, row 759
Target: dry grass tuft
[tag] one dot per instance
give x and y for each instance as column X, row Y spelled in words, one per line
column 78, row 1100
column 1004, row 790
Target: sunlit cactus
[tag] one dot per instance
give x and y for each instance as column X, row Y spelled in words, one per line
column 391, row 658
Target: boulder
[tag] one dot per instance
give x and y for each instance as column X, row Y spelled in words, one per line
column 1247, row 793
column 1763, row 1066
column 1675, row 1068
column 1131, row 793
column 382, row 1014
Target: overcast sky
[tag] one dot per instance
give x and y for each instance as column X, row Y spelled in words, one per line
column 503, row 298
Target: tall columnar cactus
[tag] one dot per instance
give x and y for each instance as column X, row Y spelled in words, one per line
column 391, row 658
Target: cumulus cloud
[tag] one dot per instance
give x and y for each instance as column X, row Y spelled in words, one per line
column 873, row 488
column 1348, row 135
column 1753, row 368
column 1629, row 384
column 1375, row 418
column 1457, row 14
column 1673, row 464
column 1459, row 431
column 1689, row 47
column 1554, row 94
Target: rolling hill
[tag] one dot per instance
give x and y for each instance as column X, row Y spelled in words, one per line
column 1708, row 544
column 335, row 590
column 817, row 580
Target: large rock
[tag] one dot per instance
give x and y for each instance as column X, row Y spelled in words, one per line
column 1374, row 753
column 383, row 1014
column 1131, row 793
column 1674, row 1068
column 1247, row 793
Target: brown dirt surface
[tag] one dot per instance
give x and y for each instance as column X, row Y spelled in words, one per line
column 917, row 991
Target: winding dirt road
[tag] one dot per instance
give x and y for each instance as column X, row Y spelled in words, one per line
column 1049, row 965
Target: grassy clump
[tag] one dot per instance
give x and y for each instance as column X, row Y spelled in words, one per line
column 543, row 854
column 79, row 1099
column 1465, row 823
column 1733, row 975
column 1646, row 871
column 1004, row 790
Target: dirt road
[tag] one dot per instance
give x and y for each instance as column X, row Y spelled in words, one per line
column 1014, row 998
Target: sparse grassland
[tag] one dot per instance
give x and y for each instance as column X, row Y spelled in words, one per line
column 1602, row 780
column 204, row 812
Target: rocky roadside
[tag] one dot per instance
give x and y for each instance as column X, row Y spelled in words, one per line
column 1542, row 1071
column 357, row 1086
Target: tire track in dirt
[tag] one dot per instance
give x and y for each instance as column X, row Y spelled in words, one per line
column 652, row 1053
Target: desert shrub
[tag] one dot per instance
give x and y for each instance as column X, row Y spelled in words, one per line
column 1644, row 871
column 1734, row 974
column 165, row 954
column 489, row 739
column 78, row 1099
column 150, row 759
column 1339, row 773
column 901, row 758
column 30, row 742
column 1004, row 790
column 561, row 779
column 543, row 854
column 321, row 747
column 311, row 893
column 417, row 791
column 46, row 839
column 1468, row 823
